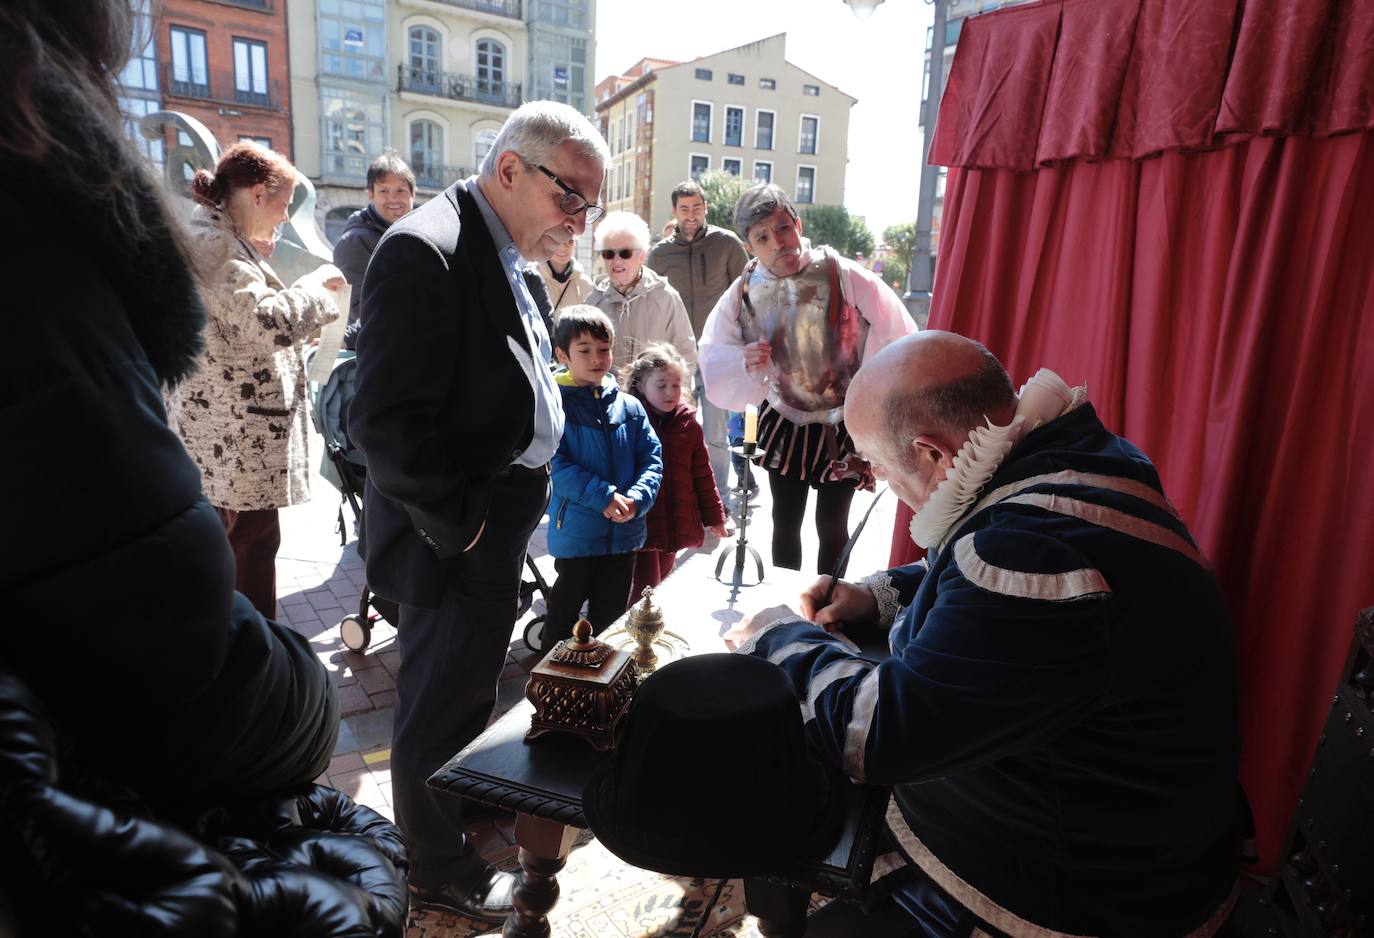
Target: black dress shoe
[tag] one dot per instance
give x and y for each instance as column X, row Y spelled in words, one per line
column 486, row 898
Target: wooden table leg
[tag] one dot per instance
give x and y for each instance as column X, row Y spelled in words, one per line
column 781, row 910
column 544, row 847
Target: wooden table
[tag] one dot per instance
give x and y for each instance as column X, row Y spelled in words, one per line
column 542, row 780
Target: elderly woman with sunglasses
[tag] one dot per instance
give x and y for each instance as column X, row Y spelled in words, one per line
column 643, row 306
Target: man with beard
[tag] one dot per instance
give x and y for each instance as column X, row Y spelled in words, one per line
column 700, row 260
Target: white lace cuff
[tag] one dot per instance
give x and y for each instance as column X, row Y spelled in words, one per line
column 880, row 585
column 752, row 641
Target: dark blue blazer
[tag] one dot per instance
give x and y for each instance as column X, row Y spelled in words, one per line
column 442, row 400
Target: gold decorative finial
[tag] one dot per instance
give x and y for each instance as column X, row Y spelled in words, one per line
column 582, row 632
column 645, row 623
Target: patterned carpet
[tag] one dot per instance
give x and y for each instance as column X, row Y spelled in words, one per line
column 602, row 897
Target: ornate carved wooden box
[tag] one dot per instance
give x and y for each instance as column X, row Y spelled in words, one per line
column 582, row 687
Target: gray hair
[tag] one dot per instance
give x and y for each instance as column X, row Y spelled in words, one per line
column 757, row 203
column 622, row 223
column 537, row 128
column 951, row 409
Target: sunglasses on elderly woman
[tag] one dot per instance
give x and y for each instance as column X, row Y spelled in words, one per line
column 625, row 253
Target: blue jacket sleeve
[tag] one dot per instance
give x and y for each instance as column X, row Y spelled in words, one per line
column 573, row 482
column 648, row 461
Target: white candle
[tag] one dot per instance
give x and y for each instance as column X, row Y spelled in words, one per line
column 751, row 424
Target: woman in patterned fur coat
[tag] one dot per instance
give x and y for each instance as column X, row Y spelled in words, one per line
column 243, row 414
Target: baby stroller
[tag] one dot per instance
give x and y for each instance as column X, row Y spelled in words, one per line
column 344, row 468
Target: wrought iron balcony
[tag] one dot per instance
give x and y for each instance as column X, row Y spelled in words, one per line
column 434, row 176
column 220, row 89
column 459, row 87
column 509, row 8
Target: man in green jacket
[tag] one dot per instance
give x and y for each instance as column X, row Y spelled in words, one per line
column 700, row 261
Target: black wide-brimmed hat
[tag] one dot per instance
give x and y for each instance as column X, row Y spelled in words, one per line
column 711, row 776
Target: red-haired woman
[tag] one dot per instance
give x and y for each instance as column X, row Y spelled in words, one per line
column 243, row 414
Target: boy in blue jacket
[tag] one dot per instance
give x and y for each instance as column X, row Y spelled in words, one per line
column 605, row 478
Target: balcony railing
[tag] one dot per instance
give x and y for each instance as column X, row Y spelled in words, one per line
column 459, row 87
column 433, row 176
column 509, row 8
column 220, row 89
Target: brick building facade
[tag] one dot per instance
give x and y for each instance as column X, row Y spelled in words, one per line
column 224, row 62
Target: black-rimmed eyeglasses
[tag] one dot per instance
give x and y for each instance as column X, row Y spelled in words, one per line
column 572, row 201
column 625, row 253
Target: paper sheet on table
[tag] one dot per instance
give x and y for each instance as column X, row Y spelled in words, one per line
column 331, row 338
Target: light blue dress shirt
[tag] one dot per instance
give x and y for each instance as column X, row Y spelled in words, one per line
column 548, row 403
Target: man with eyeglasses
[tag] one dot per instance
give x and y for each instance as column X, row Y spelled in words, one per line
column 458, row 417
column 700, row 260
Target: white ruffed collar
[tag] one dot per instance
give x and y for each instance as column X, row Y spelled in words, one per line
column 1043, row 398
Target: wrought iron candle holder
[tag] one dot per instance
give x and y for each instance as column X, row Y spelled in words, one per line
column 741, row 548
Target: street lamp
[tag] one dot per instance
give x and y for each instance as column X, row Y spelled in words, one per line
column 863, row 9
column 920, row 276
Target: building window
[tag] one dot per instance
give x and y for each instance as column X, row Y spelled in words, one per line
column 701, row 121
column 353, row 38
column 190, row 76
column 135, row 108
column 704, row 74
column 768, row 84
column 558, row 62
column 813, row 90
column 734, row 126
column 427, row 153
column 629, row 134
column 138, row 85
column 810, row 134
column 731, row 166
column 763, row 129
column 734, row 79
column 481, row 146
column 700, row 164
column 351, row 132
column 260, row 141
column 491, row 68
column 424, row 60
column 557, row 12
column 763, row 171
column 806, row 185
column 250, row 72
column 140, row 73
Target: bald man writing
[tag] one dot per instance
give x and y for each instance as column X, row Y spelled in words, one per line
column 1058, row 714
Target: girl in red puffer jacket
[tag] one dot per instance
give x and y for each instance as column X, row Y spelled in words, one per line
column 688, row 502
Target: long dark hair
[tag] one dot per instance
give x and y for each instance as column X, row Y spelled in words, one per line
column 63, row 146
column 60, row 88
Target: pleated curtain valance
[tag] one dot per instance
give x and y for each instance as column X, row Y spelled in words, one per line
column 1095, row 80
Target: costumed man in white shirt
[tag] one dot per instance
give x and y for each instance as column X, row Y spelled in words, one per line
column 788, row 335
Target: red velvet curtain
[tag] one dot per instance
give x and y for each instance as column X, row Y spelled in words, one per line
column 1173, row 202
